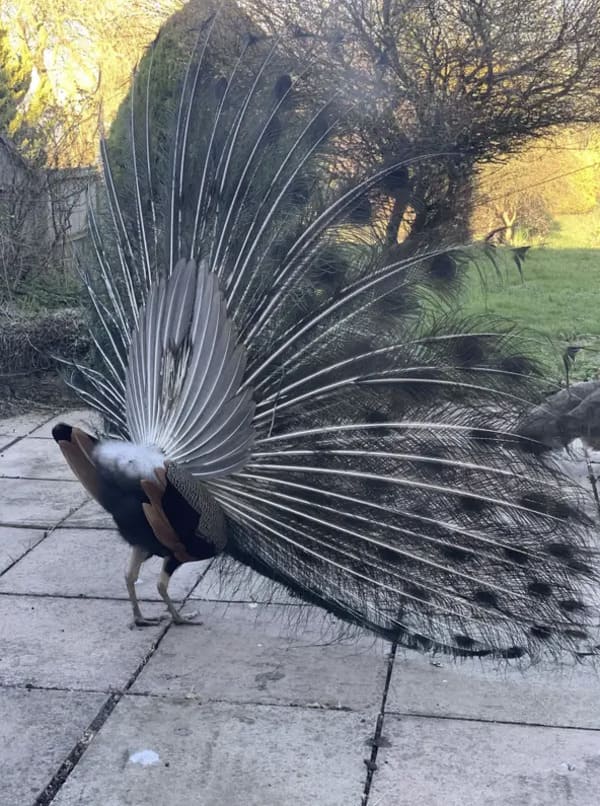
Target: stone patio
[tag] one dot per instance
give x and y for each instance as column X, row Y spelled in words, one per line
column 263, row 704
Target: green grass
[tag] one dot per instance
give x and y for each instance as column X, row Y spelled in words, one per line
column 558, row 301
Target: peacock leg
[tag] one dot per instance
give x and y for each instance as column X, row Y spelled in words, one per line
column 137, row 557
column 170, row 565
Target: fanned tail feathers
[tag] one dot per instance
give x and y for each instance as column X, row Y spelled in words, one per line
column 249, row 324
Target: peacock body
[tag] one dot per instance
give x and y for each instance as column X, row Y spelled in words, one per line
column 275, row 385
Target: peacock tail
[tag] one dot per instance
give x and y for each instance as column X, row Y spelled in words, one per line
column 250, row 323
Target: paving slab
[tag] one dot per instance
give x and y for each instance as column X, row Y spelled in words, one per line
column 221, row 755
column 240, row 585
column 15, row 542
column 261, row 653
column 15, row 427
column 38, row 729
column 90, row 516
column 88, row 419
column 440, row 762
column 71, row 643
column 42, row 504
column 35, row 459
column 558, row 695
column 91, row 563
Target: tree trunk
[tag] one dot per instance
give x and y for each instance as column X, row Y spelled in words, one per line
column 395, row 219
column 508, row 219
column 445, row 219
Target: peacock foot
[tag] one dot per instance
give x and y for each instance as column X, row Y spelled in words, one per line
column 189, row 619
column 143, row 621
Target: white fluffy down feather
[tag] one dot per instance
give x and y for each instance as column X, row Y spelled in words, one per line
column 133, row 460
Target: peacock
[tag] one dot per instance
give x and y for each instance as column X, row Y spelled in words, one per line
column 279, row 385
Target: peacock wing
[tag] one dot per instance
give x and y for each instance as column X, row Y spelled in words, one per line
column 184, row 372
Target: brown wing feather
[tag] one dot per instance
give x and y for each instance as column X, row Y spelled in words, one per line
column 159, row 523
column 78, row 453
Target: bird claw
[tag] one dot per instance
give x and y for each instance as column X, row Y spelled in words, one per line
column 142, row 621
column 189, row 619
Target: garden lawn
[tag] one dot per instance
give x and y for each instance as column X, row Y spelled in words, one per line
column 558, row 300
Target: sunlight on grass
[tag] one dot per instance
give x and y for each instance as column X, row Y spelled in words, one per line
column 576, row 231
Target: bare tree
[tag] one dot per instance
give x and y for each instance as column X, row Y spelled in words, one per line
column 60, row 63
column 80, row 55
column 468, row 80
column 553, row 176
column 41, row 212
